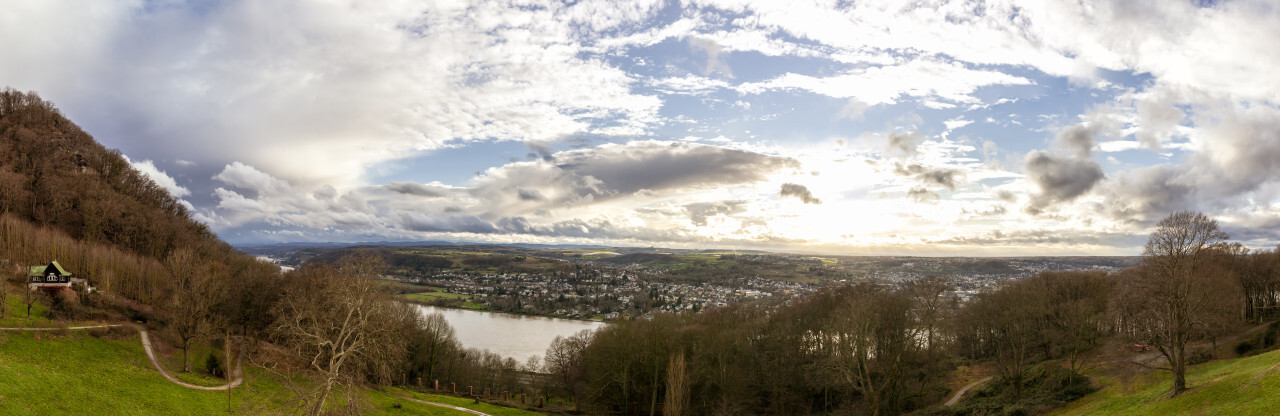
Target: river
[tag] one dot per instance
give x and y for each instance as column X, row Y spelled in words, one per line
column 509, row 335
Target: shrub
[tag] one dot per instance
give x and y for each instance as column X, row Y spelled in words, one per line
column 1269, row 337
column 1015, row 410
column 99, row 332
column 213, row 366
column 1199, row 356
column 1244, row 347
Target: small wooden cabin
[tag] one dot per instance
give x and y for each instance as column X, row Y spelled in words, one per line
column 50, row 276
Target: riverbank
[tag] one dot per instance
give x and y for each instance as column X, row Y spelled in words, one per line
column 508, row 335
column 462, row 302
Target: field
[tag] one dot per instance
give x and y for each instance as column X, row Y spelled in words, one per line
column 495, row 410
column 1239, row 387
column 439, row 298
column 89, row 375
column 104, row 372
column 16, row 311
column 111, row 376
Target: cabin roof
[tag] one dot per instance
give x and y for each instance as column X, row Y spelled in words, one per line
column 40, row 270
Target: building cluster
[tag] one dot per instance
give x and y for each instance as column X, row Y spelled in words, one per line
column 603, row 293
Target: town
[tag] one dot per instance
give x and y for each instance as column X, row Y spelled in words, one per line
column 604, row 284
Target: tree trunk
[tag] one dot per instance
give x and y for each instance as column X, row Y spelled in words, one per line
column 653, row 399
column 318, row 406
column 1179, row 366
column 1179, row 379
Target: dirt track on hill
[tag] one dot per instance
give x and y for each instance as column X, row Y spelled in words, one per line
column 151, row 355
column 145, row 337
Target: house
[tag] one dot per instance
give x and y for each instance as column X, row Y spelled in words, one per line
column 52, row 277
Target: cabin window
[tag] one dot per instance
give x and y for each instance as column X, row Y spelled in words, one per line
column 51, row 278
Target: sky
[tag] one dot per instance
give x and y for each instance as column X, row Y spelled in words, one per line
column 1053, row 127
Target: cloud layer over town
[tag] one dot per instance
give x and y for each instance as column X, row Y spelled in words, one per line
column 949, row 127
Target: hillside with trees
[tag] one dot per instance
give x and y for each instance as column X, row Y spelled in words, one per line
column 879, row 349
column 328, row 331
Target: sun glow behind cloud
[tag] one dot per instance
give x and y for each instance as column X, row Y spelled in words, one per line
column 1054, row 127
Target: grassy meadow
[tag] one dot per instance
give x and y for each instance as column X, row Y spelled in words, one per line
column 1240, row 387
column 106, row 372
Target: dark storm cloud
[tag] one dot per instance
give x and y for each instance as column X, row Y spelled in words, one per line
column 698, row 212
column 579, row 228
column 664, row 165
column 944, row 177
column 1263, row 227
column 1044, row 238
column 903, row 143
column 1146, row 193
column 411, row 188
column 1060, row 179
column 1078, row 139
column 529, row 195
column 941, row 177
column 992, row 211
column 634, row 169
column 446, row 224
column 540, row 151
column 799, row 191
column 1238, row 164
column 1006, row 195
column 922, row 195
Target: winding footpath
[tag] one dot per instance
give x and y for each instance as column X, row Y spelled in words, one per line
column 964, row 389
column 238, row 373
column 460, row 409
column 146, row 346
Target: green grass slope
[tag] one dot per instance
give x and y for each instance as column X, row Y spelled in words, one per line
column 1239, row 387
column 386, row 401
column 72, row 372
column 79, row 374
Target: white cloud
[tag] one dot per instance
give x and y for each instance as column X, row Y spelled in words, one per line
column 1118, row 145
column 344, row 85
column 921, row 78
column 159, row 177
column 300, row 112
column 690, row 84
column 956, row 123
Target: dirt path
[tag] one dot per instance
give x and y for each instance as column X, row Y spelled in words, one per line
column 145, row 337
column 58, row 328
column 964, row 389
column 460, row 409
column 151, row 355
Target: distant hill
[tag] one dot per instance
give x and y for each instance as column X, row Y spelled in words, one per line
column 638, row 258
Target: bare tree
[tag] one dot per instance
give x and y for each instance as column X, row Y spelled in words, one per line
column 334, row 318
column 195, row 289
column 1011, row 319
column 873, row 334
column 933, row 300
column 1177, row 262
column 30, row 299
column 564, row 360
column 435, row 340
column 4, row 297
column 1256, row 274
column 677, row 397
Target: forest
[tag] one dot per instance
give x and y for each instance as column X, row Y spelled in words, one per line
column 881, row 349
